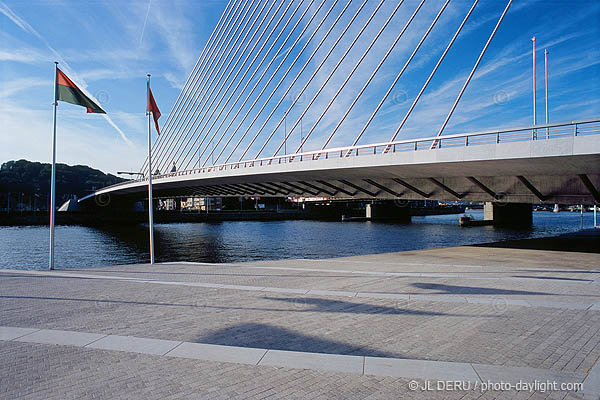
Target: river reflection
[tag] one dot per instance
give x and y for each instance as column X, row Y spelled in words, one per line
column 77, row 246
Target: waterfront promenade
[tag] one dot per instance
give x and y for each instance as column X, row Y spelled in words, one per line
column 357, row 327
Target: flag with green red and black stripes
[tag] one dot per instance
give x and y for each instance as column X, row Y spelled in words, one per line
column 67, row 91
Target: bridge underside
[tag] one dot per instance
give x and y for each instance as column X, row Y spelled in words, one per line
column 565, row 171
column 511, row 189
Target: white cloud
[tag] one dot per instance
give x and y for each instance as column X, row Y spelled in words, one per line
column 14, row 86
column 22, row 56
column 174, row 29
column 80, row 138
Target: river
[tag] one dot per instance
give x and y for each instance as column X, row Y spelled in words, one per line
column 26, row 247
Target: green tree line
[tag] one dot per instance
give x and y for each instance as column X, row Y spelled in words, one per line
column 26, row 185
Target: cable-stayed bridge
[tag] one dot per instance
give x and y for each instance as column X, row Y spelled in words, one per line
column 285, row 93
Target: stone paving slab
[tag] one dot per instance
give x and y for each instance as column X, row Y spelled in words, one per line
column 50, row 336
column 213, row 352
column 11, row 332
column 314, row 361
column 393, row 296
column 331, row 293
column 134, row 344
column 420, row 369
column 285, row 290
column 591, row 384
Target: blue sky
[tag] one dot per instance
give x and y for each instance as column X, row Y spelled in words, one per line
column 108, row 47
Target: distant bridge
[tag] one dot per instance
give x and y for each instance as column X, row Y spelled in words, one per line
column 555, row 163
column 275, row 73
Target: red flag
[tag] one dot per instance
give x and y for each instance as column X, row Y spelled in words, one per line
column 152, row 107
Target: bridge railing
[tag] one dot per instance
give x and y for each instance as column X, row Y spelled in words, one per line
column 529, row 133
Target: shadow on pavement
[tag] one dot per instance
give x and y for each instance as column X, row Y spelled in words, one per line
column 454, row 289
column 309, row 304
column 553, row 278
column 265, row 336
column 297, row 305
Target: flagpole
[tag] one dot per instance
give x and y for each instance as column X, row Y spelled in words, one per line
column 53, row 174
column 150, row 202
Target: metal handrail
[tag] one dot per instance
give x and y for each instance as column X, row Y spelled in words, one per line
column 529, row 133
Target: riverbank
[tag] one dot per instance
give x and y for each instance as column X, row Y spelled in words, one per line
column 95, row 219
column 374, row 325
column 36, row 218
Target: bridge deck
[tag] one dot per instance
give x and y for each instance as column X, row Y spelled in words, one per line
column 510, row 166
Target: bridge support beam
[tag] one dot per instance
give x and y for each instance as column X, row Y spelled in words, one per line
column 508, row 214
column 387, row 211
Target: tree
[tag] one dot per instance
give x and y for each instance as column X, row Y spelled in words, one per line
column 25, row 179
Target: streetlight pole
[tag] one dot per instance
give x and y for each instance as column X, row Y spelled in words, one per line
column 285, row 135
column 301, row 136
column 546, row 86
column 534, row 90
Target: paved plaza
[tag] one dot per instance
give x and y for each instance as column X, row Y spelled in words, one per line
column 454, row 323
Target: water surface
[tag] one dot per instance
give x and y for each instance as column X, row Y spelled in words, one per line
column 78, row 246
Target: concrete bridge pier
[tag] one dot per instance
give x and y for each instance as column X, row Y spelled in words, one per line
column 508, row 214
column 388, row 211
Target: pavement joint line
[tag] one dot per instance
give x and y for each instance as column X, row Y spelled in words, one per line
column 364, row 359
column 357, row 365
column 324, row 292
column 477, row 373
column 594, row 306
column 94, row 341
column 180, row 343
column 263, row 356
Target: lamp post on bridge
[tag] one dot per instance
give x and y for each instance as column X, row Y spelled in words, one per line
column 546, row 88
column 285, row 135
column 301, row 136
column 534, row 90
